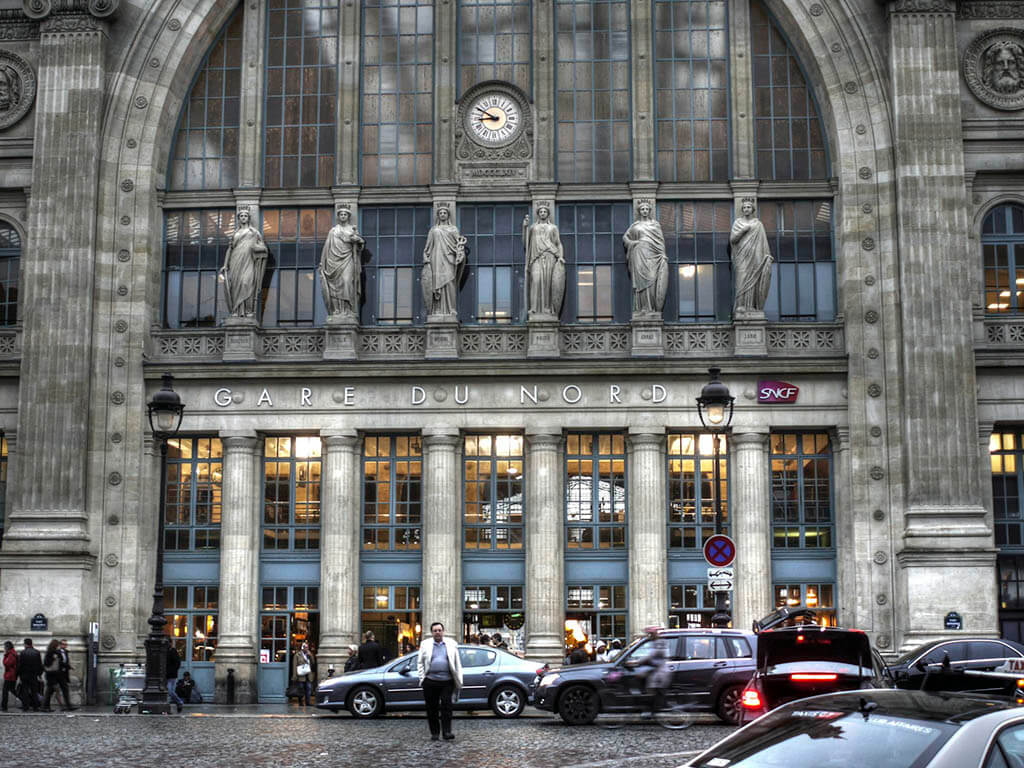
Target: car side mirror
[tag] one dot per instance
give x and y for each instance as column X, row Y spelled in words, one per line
column 920, row 667
column 405, row 669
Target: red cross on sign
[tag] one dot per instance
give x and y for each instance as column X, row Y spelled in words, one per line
column 720, row 550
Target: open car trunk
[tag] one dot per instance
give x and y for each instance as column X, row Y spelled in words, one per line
column 796, row 663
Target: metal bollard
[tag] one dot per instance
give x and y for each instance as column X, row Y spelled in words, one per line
column 231, row 686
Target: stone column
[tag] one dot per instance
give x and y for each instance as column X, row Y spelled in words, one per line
column 642, row 66
column 339, row 547
column 543, row 59
column 250, row 128
column 741, row 90
column 239, row 569
column 445, row 78
column 545, row 553
column 750, row 510
column 947, row 554
column 350, row 61
column 442, row 532
column 648, row 542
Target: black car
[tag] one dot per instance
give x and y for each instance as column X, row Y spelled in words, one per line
column 926, row 667
column 709, row 667
column 808, row 660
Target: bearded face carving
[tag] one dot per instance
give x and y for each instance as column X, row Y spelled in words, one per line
column 1003, row 65
column 993, row 67
column 10, row 88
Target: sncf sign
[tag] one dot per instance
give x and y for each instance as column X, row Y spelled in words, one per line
column 776, row 392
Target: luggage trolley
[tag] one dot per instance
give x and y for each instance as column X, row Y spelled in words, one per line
column 127, row 682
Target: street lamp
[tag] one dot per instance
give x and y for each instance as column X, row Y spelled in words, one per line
column 714, row 406
column 165, row 412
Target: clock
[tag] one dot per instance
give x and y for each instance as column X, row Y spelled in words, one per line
column 494, row 118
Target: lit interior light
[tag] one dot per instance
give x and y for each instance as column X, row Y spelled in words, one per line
column 688, row 271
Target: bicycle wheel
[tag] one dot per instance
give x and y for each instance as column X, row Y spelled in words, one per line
column 675, row 717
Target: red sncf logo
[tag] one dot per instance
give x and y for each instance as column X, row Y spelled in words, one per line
column 776, row 392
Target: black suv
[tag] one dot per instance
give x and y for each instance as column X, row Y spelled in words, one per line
column 709, row 666
column 926, row 667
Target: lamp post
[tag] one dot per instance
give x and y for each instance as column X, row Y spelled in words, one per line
column 165, row 412
column 714, row 406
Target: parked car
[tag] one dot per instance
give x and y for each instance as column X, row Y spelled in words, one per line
column 492, row 679
column 709, row 667
column 925, row 665
column 878, row 728
column 797, row 662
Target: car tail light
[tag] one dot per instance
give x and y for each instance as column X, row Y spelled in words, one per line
column 812, row 676
column 752, row 699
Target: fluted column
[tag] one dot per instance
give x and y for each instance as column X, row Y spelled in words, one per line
column 648, row 553
column 239, row 568
column 749, row 508
column 545, row 555
column 441, row 598
column 339, row 547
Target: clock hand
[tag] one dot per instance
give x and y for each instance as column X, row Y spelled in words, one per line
column 488, row 116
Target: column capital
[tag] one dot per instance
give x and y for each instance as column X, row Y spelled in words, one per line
column 69, row 15
column 756, row 439
column 339, row 439
column 543, row 438
column 439, row 437
column 645, row 438
column 238, row 441
column 985, row 430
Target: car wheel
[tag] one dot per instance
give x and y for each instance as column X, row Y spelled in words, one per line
column 578, row 705
column 365, row 702
column 729, row 704
column 508, row 701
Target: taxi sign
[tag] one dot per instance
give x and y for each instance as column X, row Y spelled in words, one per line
column 719, row 550
column 1014, row 666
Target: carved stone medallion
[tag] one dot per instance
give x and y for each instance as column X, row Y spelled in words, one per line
column 994, row 68
column 17, row 88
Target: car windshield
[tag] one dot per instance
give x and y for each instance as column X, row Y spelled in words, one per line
column 830, row 738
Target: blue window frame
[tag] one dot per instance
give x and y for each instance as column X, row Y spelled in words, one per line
column 493, row 496
column 494, row 284
column 495, row 42
column 803, row 283
column 301, row 93
column 291, row 493
column 1002, row 246
column 598, row 280
column 192, row 494
column 10, row 269
column 692, row 605
column 597, row 611
column 801, row 478
column 1006, row 454
column 392, row 613
column 192, row 621
column 392, row 492
column 691, row 90
column 818, row 596
column 205, row 154
column 593, row 92
column 697, row 245
column 789, row 136
column 691, row 489
column 195, row 243
column 395, row 237
column 595, row 491
column 295, row 237
column 397, row 92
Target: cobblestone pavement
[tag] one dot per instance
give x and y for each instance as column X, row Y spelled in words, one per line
column 205, row 740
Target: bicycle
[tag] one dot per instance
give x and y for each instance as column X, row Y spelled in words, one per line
column 675, row 713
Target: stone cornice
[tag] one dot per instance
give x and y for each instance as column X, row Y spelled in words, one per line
column 14, row 25
column 916, row 7
column 48, row 561
column 43, row 9
column 992, row 9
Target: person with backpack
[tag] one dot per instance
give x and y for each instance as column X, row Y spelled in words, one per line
column 30, row 668
column 54, row 676
column 10, row 671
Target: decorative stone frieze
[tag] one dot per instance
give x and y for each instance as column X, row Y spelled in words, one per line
column 17, row 88
column 1003, row 332
column 993, row 66
column 991, row 9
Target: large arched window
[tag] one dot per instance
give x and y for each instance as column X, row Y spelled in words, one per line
column 1002, row 246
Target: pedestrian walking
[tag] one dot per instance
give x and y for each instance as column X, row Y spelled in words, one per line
column 602, row 653
column 302, row 666
column 65, row 672
column 352, row 662
column 30, row 667
column 498, row 642
column 173, row 665
column 371, row 655
column 54, row 676
column 10, row 671
column 440, row 673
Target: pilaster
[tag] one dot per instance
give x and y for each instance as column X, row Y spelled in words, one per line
column 445, row 56
column 741, row 90
column 642, row 67
column 545, row 553
column 250, row 128
column 750, row 509
column 543, row 89
column 350, row 62
column 442, row 532
column 648, row 542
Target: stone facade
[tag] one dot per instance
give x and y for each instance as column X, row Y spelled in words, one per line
column 908, row 377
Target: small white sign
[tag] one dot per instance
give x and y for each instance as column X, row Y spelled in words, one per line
column 720, row 579
column 264, row 655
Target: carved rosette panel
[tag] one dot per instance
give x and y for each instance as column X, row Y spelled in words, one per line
column 993, row 66
column 17, row 88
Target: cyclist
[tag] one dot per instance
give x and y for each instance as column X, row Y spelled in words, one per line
column 652, row 672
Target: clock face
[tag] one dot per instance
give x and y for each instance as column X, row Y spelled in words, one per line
column 494, row 119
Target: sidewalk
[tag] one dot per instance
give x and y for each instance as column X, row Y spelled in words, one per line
column 253, row 710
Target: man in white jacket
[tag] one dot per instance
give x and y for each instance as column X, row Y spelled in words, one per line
column 440, row 671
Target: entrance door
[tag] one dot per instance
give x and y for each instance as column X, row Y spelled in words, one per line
column 290, row 617
column 192, row 627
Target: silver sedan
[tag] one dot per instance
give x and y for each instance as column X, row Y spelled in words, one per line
column 492, row 679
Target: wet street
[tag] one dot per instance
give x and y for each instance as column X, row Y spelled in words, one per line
column 217, row 738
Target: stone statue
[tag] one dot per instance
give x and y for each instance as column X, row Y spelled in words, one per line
column 340, row 266
column 443, row 260
column 1002, row 67
column 545, row 266
column 751, row 262
column 648, row 263
column 244, row 264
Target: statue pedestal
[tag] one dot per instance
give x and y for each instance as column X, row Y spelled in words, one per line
column 340, row 340
column 442, row 337
column 648, row 339
column 542, row 338
column 750, row 333
column 240, row 343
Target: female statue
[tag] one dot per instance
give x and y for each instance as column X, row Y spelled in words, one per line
column 243, row 268
column 340, row 264
column 751, row 261
column 648, row 262
column 545, row 266
column 443, row 259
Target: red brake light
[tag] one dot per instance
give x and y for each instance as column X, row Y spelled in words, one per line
column 541, row 671
column 815, row 676
column 751, row 699
column 799, row 638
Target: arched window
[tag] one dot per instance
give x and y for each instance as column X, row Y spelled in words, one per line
column 10, row 267
column 1002, row 246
